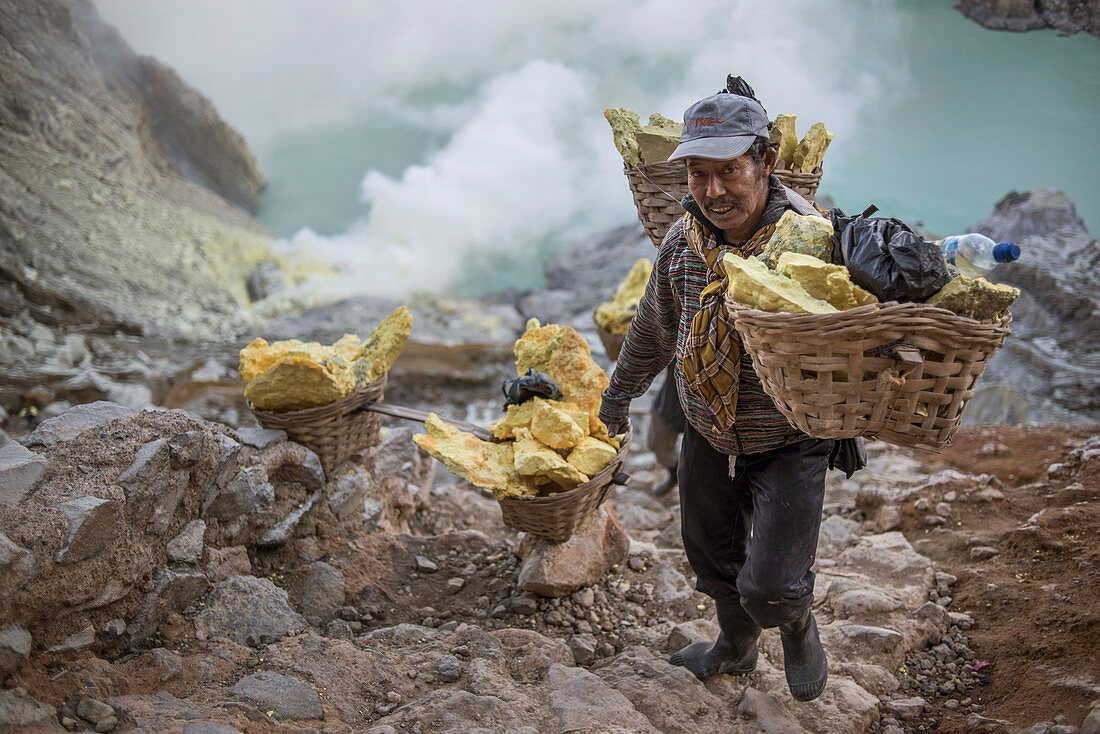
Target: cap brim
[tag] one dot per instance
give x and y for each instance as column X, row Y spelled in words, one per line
column 717, row 148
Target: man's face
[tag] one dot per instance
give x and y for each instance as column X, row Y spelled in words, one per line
column 732, row 193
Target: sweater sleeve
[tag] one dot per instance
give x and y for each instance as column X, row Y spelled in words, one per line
column 650, row 342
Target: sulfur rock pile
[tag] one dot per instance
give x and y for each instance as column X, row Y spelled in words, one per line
column 806, row 154
column 615, row 315
column 294, row 375
column 543, row 446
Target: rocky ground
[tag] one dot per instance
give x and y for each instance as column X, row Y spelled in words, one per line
column 955, row 593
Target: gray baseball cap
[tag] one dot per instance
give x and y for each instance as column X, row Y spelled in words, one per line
column 722, row 126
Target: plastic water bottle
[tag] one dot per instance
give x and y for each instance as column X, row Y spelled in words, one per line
column 974, row 255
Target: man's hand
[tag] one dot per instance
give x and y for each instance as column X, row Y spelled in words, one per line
column 617, row 427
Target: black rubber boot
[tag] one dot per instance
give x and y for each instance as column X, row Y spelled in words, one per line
column 734, row 651
column 804, row 658
column 668, row 485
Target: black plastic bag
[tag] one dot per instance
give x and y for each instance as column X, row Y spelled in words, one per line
column 533, row 384
column 849, row 455
column 887, row 258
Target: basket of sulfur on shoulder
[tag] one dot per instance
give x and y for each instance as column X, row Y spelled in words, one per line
column 658, row 188
column 899, row 372
column 333, row 431
column 555, row 517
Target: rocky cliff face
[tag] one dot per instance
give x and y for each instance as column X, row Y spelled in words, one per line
column 1067, row 16
column 1052, row 357
column 123, row 195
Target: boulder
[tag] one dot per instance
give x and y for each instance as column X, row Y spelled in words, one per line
column 288, row 698
column 76, row 421
column 19, row 470
column 247, row 610
column 557, row 569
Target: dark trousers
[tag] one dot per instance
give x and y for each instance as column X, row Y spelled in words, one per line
column 753, row 537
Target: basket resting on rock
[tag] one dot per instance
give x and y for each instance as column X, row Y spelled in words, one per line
column 658, row 189
column 899, row 372
column 334, row 431
column 555, row 517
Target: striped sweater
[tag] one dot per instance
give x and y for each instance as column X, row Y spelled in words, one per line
column 657, row 335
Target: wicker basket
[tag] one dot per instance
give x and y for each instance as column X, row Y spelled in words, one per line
column 898, row 372
column 556, row 516
column 612, row 343
column 658, row 189
column 333, row 431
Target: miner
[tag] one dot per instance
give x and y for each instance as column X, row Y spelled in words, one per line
column 751, row 485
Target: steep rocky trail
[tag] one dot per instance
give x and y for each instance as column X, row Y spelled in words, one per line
column 399, row 602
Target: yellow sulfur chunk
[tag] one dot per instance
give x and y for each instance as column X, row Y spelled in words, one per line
column 385, row 344
column 975, row 298
column 824, row 280
column 754, row 286
column 348, row 347
column 520, row 416
column 481, row 463
column 811, row 150
column 534, row 458
column 565, row 356
column 783, row 133
column 591, row 455
column 615, row 315
column 296, row 383
column 625, row 127
column 656, row 142
column 258, row 356
column 808, row 234
column 555, row 427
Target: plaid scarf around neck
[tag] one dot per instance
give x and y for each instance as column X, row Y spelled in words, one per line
column 712, row 355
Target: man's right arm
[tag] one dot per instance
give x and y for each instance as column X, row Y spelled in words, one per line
column 650, row 342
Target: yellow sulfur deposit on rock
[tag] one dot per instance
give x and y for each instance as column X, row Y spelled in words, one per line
column 295, row 383
column 753, row 285
column 823, row 280
column 975, row 298
column 794, row 232
column 615, row 315
column 783, row 134
column 534, row 458
column 481, row 463
column 591, row 455
column 624, row 129
column 565, row 356
column 311, row 374
column 811, row 150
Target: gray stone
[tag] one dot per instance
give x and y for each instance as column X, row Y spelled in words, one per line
column 261, row 438
column 838, row 531
column 906, row 709
column 177, row 590
column 983, row 552
column 448, row 669
column 19, row 470
column 863, row 603
column 76, row 642
column 877, row 639
column 16, row 566
column 583, row 702
column 18, row 710
column 426, row 565
column 247, row 494
column 188, row 545
column 92, row 710
column 455, row 711
column 319, row 593
column 93, row 523
column 293, row 463
column 76, row 421
column 767, row 713
column 1091, row 724
column 288, row 697
column 185, row 449
column 583, row 648
column 152, row 490
column 107, row 723
column 284, row 529
column 346, row 493
column 15, row 648
column 244, row 607
column 227, row 452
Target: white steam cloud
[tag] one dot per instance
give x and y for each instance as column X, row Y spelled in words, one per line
column 517, row 88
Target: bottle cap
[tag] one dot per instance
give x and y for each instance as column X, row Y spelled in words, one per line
column 1006, row 252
